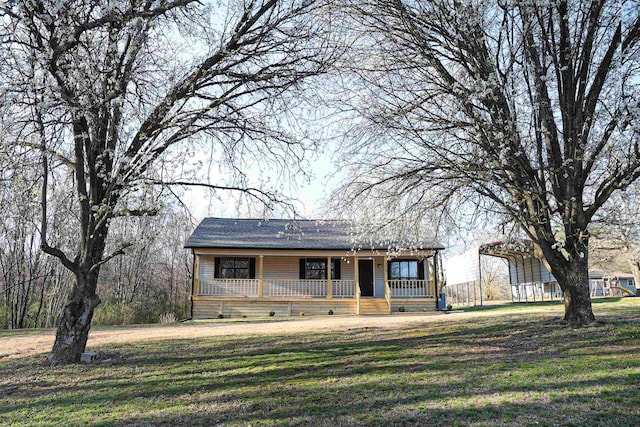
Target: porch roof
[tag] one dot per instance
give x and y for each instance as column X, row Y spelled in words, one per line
column 225, row 233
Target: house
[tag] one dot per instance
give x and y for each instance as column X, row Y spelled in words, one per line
column 611, row 283
column 253, row 268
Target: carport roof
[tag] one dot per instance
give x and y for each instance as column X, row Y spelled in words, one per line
column 507, row 248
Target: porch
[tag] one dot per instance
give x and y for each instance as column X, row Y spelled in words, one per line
column 287, row 297
column 350, row 285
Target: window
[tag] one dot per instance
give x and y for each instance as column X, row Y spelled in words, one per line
column 406, row 269
column 235, row 268
column 316, row 268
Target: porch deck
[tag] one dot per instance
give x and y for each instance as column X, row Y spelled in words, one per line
column 288, row 297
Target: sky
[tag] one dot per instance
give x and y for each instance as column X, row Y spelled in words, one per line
column 310, row 195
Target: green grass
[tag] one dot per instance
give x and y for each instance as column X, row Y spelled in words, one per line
column 600, row 305
column 519, row 368
column 21, row 332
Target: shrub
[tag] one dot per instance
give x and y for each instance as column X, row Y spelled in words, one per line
column 167, row 318
column 330, row 312
column 4, row 317
column 115, row 314
column 272, row 313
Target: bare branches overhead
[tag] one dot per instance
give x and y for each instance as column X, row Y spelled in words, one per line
column 114, row 89
column 522, row 108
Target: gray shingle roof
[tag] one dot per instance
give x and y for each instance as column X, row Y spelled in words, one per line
column 278, row 234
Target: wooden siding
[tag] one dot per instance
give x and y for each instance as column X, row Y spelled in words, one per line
column 413, row 305
column 347, row 270
column 208, row 308
column 279, row 270
column 278, row 267
column 378, row 277
column 207, row 267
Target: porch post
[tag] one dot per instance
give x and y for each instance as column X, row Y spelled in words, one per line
column 196, row 276
column 260, row 275
column 435, row 281
column 386, row 273
column 329, row 284
column 356, row 275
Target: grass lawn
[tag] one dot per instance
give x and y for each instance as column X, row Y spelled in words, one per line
column 516, row 368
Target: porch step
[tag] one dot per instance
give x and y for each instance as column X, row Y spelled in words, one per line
column 369, row 306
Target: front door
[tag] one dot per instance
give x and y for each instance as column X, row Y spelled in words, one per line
column 365, row 275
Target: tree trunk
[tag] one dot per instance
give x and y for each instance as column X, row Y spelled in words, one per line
column 577, row 299
column 74, row 324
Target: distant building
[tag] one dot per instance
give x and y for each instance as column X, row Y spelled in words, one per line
column 529, row 279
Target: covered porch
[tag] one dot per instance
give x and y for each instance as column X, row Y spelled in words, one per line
column 312, row 283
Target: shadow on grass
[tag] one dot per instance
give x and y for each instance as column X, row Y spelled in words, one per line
column 518, row 305
column 512, row 371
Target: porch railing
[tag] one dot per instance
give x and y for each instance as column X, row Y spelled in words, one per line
column 228, row 287
column 343, row 288
column 295, row 288
column 275, row 288
column 309, row 288
column 411, row 289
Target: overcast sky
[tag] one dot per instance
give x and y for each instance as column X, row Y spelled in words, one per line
column 310, row 194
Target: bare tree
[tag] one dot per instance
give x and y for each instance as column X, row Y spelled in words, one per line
column 108, row 90
column 495, row 278
column 617, row 233
column 27, row 276
column 527, row 110
column 153, row 277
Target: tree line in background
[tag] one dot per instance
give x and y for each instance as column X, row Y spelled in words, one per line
column 149, row 283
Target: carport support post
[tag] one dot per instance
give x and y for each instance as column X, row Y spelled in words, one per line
column 532, row 278
column 435, row 281
column 480, row 275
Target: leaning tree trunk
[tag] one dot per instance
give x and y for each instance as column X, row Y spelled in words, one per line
column 74, row 324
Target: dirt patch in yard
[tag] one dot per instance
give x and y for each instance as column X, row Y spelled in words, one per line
column 20, row 345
